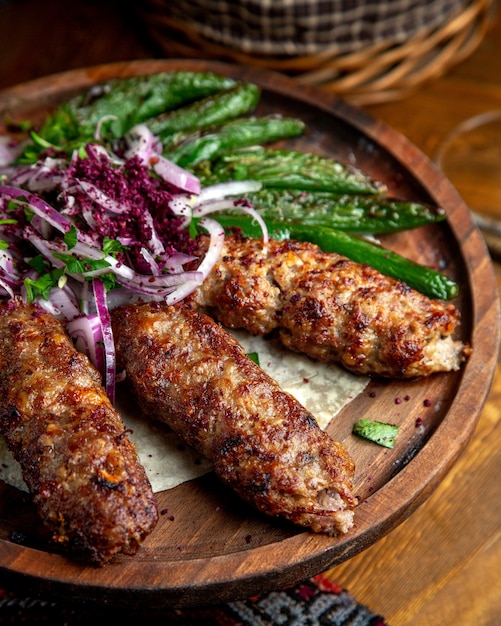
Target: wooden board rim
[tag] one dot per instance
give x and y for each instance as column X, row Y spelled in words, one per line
column 176, row 584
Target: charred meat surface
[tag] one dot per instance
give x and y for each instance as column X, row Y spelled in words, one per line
column 331, row 309
column 190, row 373
column 80, row 466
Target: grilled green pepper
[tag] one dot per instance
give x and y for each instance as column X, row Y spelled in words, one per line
column 117, row 105
column 137, row 99
column 213, row 110
column 420, row 277
column 288, row 169
column 347, row 212
column 236, row 134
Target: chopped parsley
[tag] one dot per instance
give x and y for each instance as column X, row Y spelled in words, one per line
column 378, row 432
column 74, row 265
column 254, row 356
column 71, row 238
column 41, row 286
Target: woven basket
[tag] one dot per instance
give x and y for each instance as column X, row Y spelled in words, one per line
column 367, row 51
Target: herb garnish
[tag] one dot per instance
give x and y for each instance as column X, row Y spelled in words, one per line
column 378, row 432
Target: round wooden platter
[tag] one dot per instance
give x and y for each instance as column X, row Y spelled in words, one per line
column 210, row 547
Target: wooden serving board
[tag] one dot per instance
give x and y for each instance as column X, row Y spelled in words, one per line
column 208, row 546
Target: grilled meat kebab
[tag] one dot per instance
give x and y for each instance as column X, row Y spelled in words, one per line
column 190, row 373
column 330, row 308
column 77, row 461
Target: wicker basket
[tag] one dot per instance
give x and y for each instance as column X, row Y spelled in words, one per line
column 368, row 51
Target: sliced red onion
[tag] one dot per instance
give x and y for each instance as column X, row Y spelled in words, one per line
column 150, row 262
column 141, row 144
column 216, row 242
column 38, row 177
column 120, row 269
column 11, row 285
column 127, row 275
column 8, row 266
column 159, row 285
column 182, row 205
column 230, row 188
column 181, row 292
column 45, row 211
column 144, row 145
column 86, row 330
column 88, row 217
column 48, row 175
column 12, row 191
column 39, row 207
column 60, row 303
column 99, row 125
column 108, row 342
column 6, row 287
column 19, row 175
column 65, row 300
column 47, row 305
column 87, row 251
column 125, row 241
column 41, row 225
column 69, row 201
column 213, row 206
column 102, row 199
column 175, row 175
column 155, row 242
column 96, row 151
column 176, row 261
column 48, row 248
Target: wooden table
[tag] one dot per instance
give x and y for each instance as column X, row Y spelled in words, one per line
column 441, row 566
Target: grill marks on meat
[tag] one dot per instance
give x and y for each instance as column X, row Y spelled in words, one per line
column 331, row 309
column 77, row 461
column 190, row 373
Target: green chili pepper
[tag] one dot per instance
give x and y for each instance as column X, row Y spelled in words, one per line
column 213, row 110
column 422, row 278
column 119, row 104
column 288, row 169
column 239, row 133
column 353, row 213
column 137, row 99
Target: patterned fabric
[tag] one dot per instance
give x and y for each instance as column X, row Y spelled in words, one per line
column 292, row 27
column 316, row 602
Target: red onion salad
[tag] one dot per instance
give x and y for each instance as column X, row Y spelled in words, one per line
column 83, row 235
